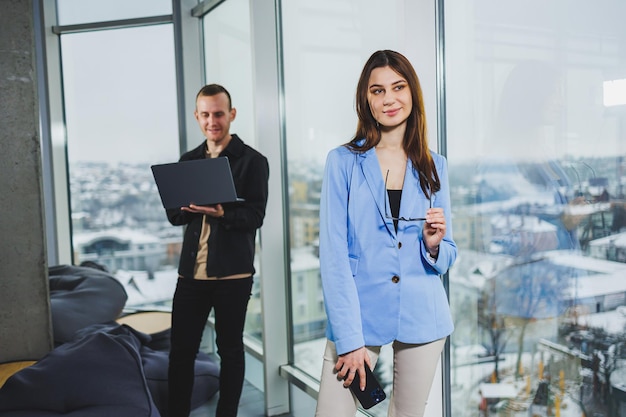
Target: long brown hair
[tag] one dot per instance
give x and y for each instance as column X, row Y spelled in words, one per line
column 415, row 141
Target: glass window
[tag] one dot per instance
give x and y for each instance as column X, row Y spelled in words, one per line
column 321, row 70
column 71, row 12
column 120, row 105
column 536, row 156
column 228, row 61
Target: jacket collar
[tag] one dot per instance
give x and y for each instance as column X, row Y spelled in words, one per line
column 375, row 181
column 411, row 190
column 235, row 148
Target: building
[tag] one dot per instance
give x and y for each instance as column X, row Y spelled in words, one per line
column 120, row 249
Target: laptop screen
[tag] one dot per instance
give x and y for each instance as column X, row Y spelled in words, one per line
column 199, row 181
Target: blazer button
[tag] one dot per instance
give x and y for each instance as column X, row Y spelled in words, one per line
column 395, row 279
column 399, row 245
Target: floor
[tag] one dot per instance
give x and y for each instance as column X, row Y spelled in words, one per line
column 250, row 405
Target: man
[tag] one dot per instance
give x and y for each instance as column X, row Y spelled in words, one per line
column 216, row 261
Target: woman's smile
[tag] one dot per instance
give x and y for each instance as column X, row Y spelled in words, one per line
column 391, row 113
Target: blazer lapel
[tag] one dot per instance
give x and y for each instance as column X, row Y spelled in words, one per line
column 414, row 202
column 410, row 193
column 372, row 174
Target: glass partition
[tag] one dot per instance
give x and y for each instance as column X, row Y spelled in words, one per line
column 325, row 45
column 228, row 61
column 537, row 144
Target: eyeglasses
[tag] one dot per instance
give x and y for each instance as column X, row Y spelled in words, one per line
column 410, row 219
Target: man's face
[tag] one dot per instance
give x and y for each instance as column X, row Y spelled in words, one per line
column 214, row 117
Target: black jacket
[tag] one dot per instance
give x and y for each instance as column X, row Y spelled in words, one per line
column 231, row 241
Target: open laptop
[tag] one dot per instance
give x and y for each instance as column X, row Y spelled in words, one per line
column 200, row 181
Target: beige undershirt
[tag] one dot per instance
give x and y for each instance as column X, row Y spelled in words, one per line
column 199, row 271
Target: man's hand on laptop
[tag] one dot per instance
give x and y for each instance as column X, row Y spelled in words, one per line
column 215, row 210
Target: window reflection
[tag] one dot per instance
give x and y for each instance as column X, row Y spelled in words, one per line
column 537, row 166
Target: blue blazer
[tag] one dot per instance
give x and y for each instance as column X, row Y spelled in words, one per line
column 379, row 285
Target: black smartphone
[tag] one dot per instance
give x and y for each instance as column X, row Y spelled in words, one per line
column 373, row 393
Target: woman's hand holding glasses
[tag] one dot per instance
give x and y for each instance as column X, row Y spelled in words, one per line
column 434, row 230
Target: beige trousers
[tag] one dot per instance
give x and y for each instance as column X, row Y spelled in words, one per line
column 414, row 368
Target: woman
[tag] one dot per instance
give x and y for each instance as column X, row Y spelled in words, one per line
column 385, row 238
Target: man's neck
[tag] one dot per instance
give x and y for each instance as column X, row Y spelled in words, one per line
column 216, row 148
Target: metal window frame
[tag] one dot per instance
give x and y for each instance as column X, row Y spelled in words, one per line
column 204, row 7
column 112, row 24
column 442, row 143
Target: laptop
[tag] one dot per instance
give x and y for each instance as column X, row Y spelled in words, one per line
column 200, row 181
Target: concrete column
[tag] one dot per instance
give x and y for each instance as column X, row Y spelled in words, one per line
column 25, row 325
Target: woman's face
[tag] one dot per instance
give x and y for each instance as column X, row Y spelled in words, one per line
column 389, row 97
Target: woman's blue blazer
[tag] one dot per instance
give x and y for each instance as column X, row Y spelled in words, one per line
column 379, row 285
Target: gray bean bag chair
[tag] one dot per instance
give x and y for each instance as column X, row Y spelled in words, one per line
column 107, row 371
column 99, row 375
column 155, row 367
column 206, row 380
column 81, row 296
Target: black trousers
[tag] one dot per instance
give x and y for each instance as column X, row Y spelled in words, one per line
column 193, row 301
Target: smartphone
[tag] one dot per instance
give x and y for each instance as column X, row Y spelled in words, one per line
column 373, row 393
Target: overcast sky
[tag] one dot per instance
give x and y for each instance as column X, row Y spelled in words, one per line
column 120, row 95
